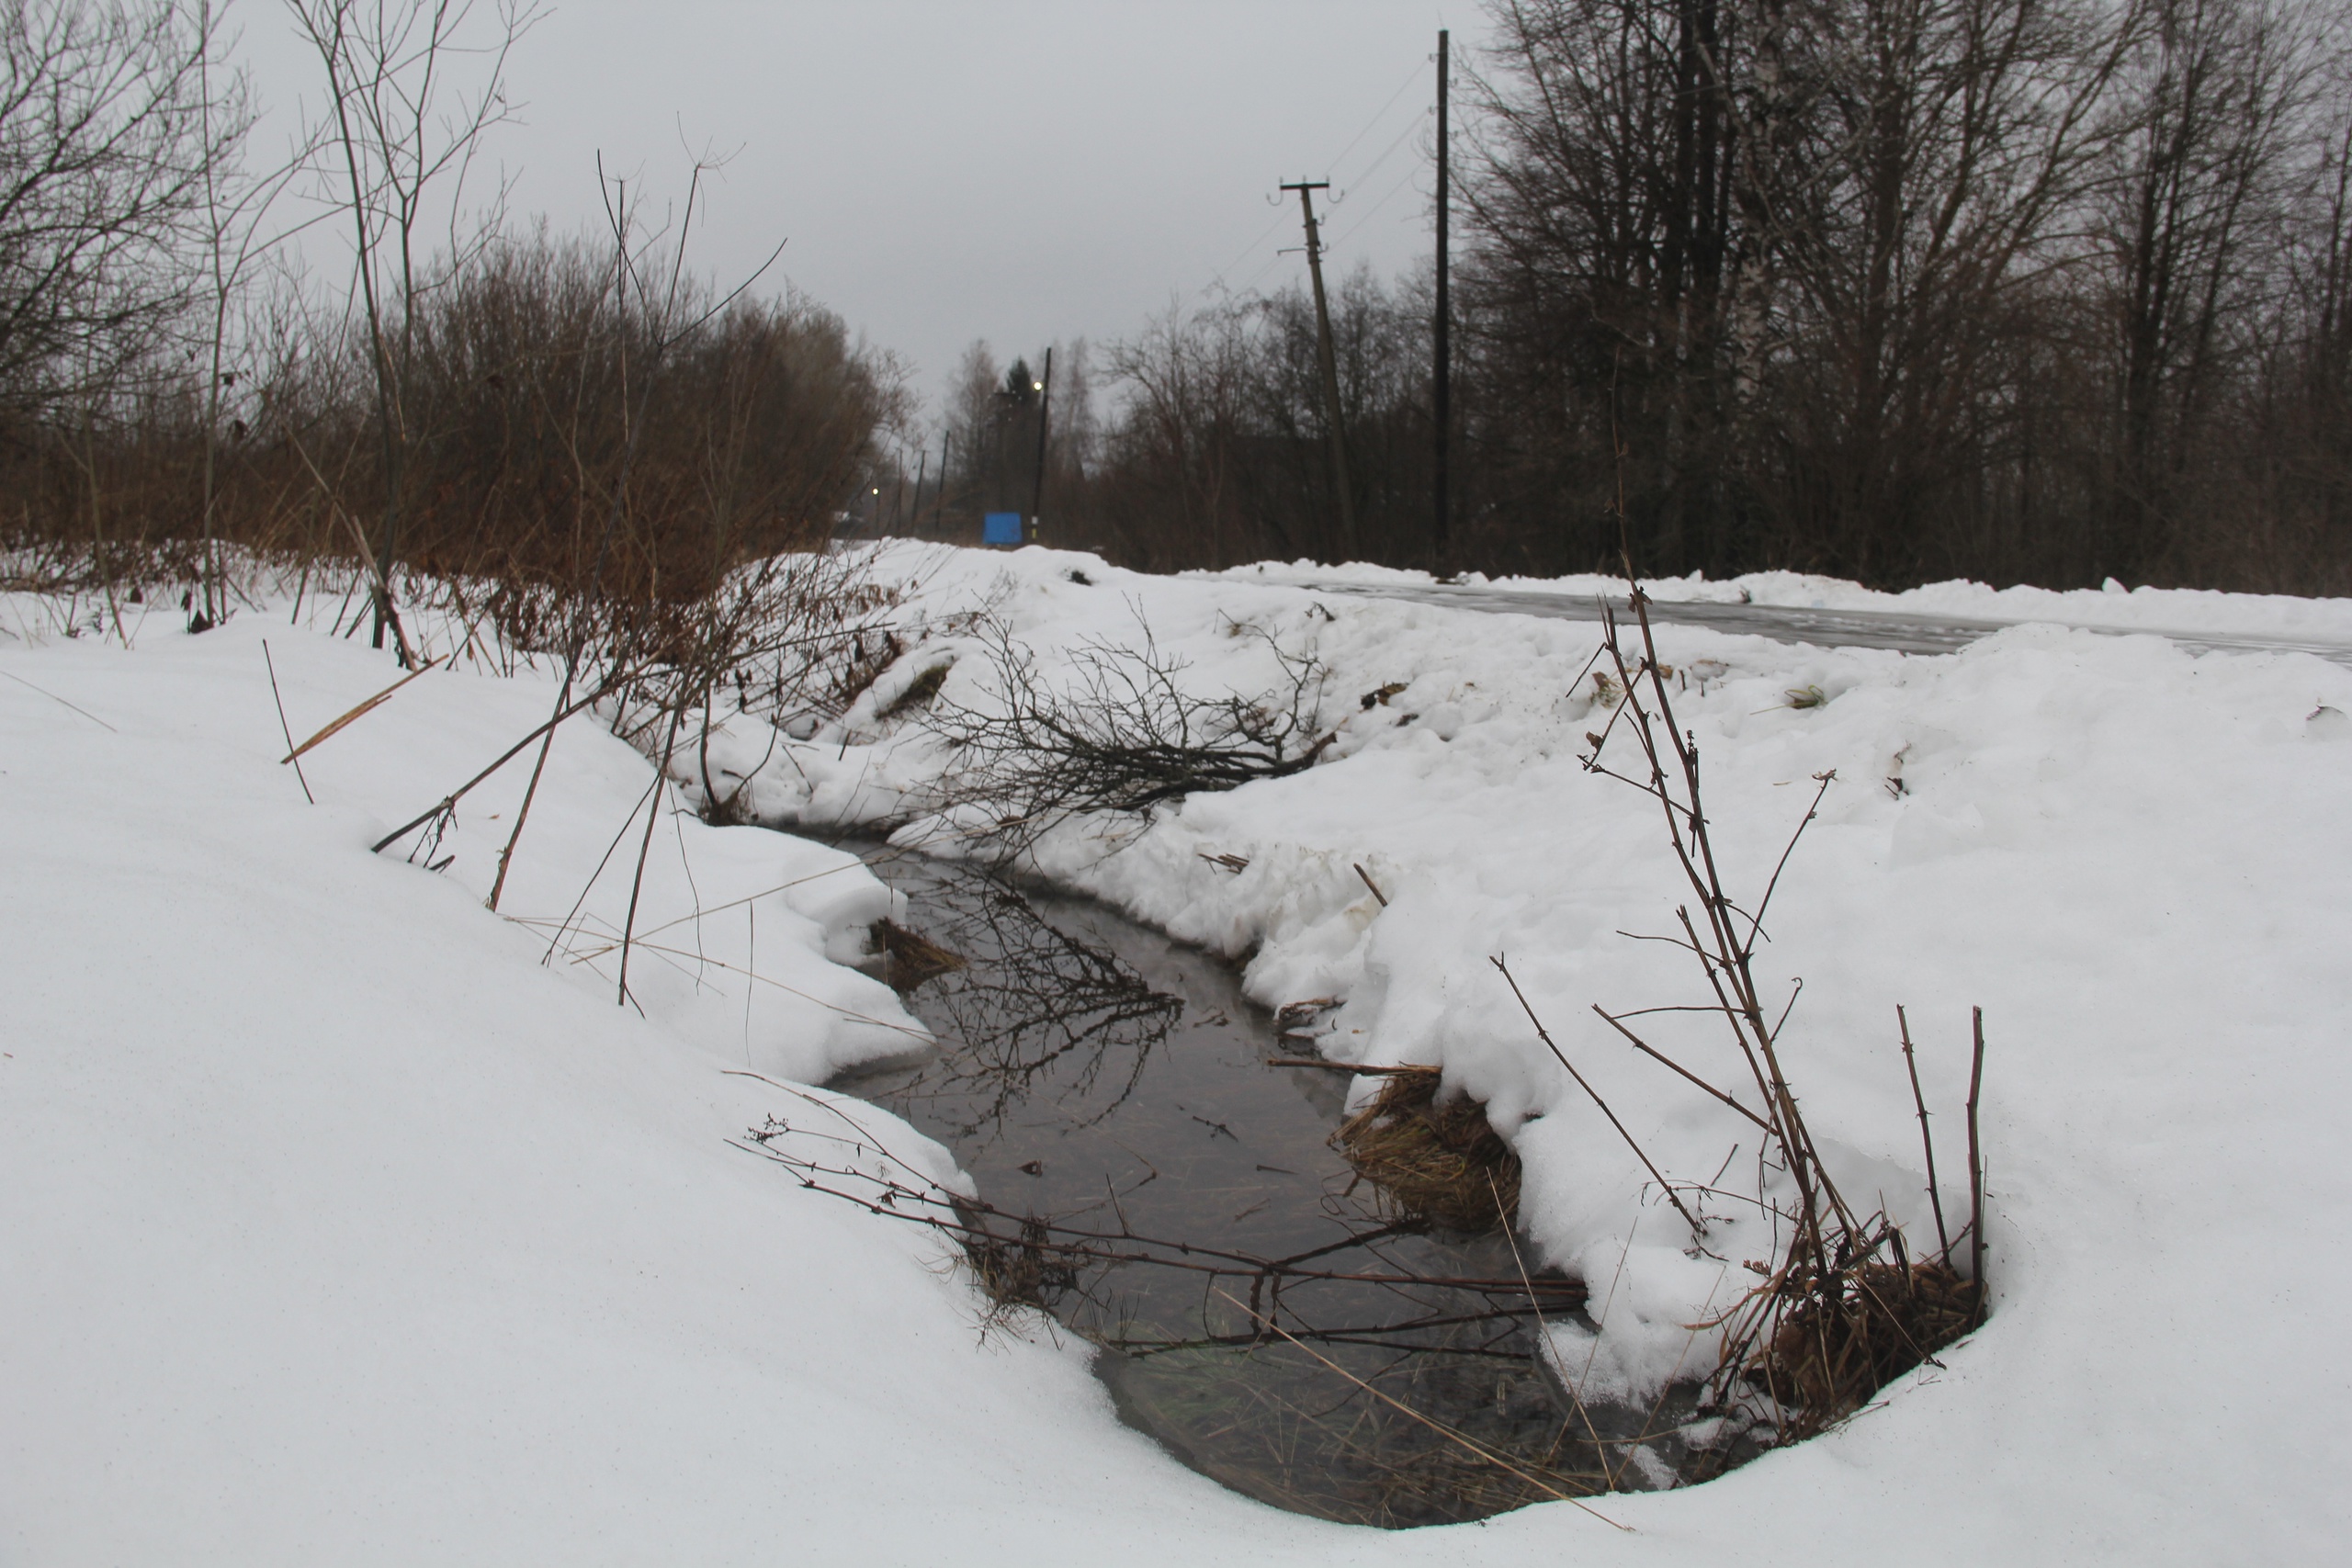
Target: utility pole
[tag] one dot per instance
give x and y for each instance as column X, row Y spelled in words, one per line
column 939, row 502
column 1045, row 408
column 1441, row 390
column 915, row 513
column 1306, row 189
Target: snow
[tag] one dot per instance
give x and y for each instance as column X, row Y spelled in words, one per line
column 2186, row 610
column 345, row 1227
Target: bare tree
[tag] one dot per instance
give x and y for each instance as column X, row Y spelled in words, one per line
column 235, row 232
column 400, row 136
column 2219, row 94
column 110, row 129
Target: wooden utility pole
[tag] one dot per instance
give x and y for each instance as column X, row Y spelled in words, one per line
column 939, row 502
column 1306, row 189
column 1442, row 388
column 1045, row 408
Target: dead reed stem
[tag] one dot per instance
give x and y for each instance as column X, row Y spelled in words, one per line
column 645, row 846
column 1575, row 1395
column 1542, row 1033
column 354, row 715
column 1934, row 1199
column 293, row 754
column 1976, row 1167
column 60, row 702
column 467, row 788
column 1435, row 1426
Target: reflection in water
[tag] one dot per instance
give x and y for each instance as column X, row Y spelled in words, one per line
column 1153, row 1182
column 1040, row 1009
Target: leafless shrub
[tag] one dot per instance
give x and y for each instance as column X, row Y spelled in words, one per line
column 1846, row 1305
column 1121, row 732
column 1035, row 1250
column 109, row 128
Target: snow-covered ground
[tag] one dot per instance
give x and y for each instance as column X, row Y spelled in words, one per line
column 2193, row 610
column 345, row 1228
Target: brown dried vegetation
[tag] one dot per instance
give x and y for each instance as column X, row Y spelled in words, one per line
column 1837, row 1347
column 910, row 958
column 1431, row 1160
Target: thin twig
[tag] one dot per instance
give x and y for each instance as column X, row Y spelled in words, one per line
column 1544, row 1035
column 1437, row 1427
column 1756, row 922
column 1679, row 1068
column 291, row 755
column 1943, row 1242
column 645, row 847
column 53, row 696
column 1976, row 1168
column 530, row 793
column 464, row 789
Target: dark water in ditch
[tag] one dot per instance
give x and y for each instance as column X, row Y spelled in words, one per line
column 1118, row 1084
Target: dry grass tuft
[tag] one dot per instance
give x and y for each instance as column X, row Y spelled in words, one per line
column 919, row 692
column 1836, row 1348
column 1027, row 1270
column 910, row 958
column 1429, row 1160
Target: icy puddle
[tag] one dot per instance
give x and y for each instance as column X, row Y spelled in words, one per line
column 1262, row 1315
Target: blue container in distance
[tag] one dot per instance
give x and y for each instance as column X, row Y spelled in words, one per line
column 1000, row 528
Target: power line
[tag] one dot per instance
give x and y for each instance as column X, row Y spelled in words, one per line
column 1374, row 167
column 1247, row 250
column 1410, row 77
column 1260, row 276
column 1366, row 217
column 1379, row 114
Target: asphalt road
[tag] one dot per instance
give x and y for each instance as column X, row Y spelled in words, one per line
column 1826, row 629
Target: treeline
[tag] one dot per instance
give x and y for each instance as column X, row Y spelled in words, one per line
column 538, row 426
column 2039, row 291
column 1212, row 447
column 479, row 397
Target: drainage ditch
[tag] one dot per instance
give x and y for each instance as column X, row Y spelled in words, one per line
column 1161, row 1181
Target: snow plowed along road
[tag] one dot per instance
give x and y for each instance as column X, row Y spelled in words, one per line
column 1821, row 626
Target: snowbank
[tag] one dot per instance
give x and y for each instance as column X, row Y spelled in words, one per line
column 2132, row 857
column 2188, row 609
column 342, row 1228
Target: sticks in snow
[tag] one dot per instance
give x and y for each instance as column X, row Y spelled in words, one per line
column 1845, row 1307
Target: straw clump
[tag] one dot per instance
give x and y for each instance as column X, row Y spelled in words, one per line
column 918, row 693
column 1428, row 1159
column 910, row 958
column 1030, row 1270
column 1837, row 1347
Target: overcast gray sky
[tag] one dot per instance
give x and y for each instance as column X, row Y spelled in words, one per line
column 1018, row 170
